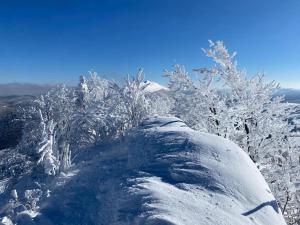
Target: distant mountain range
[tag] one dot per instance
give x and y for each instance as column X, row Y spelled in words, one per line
column 19, row 89
column 291, row 95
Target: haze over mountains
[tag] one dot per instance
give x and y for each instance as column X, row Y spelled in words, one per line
column 24, row 89
column 19, row 89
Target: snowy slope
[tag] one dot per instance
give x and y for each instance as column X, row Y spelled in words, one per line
column 153, row 87
column 161, row 173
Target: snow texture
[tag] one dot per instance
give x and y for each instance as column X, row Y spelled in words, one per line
column 162, row 173
column 152, row 86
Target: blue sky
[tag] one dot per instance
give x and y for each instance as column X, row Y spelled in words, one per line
column 56, row 41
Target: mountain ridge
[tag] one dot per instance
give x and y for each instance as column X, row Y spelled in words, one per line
column 162, row 172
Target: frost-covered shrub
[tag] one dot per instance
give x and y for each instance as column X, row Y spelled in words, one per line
column 66, row 119
column 198, row 104
column 47, row 129
column 226, row 102
column 130, row 104
column 32, row 197
column 160, row 103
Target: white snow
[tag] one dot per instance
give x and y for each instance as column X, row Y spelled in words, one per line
column 6, row 221
column 163, row 173
column 153, row 86
column 3, row 185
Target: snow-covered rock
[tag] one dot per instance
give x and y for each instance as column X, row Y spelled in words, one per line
column 162, row 173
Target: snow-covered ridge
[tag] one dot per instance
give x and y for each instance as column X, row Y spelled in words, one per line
column 163, row 173
column 152, row 86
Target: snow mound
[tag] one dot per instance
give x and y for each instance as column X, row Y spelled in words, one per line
column 153, row 87
column 163, row 173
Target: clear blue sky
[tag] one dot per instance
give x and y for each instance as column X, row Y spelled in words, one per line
column 56, row 41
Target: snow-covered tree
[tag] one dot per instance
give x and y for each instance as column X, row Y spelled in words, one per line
column 97, row 110
column 48, row 157
column 129, row 104
column 197, row 103
column 91, row 123
column 160, row 103
column 82, row 93
column 226, row 102
column 48, row 123
column 255, row 118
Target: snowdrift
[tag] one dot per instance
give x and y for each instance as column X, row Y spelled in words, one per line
column 161, row 173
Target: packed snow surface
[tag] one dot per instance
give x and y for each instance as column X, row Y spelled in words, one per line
column 162, row 173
